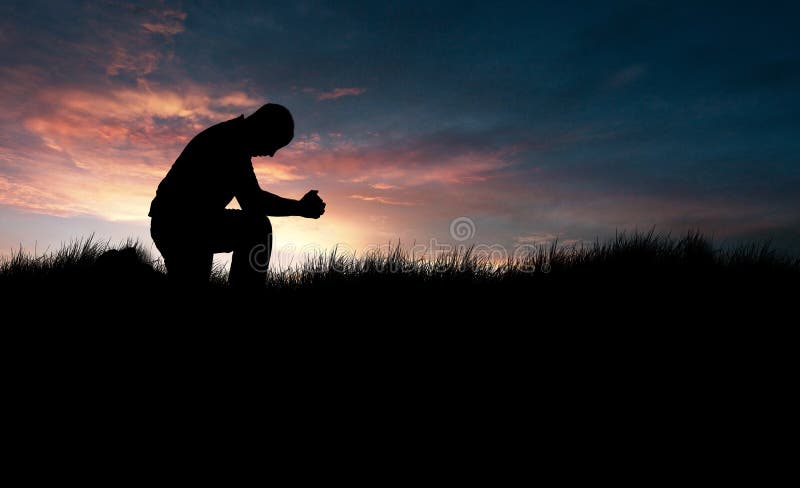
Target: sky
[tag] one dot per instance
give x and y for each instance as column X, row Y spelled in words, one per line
column 494, row 123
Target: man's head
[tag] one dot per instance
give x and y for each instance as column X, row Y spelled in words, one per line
column 268, row 129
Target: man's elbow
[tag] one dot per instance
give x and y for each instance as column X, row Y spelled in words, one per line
column 251, row 205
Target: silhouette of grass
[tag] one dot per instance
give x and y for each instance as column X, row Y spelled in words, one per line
column 76, row 260
column 627, row 255
column 647, row 255
column 638, row 278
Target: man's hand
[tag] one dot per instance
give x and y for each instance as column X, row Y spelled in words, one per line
column 311, row 205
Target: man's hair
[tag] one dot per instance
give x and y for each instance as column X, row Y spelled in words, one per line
column 276, row 120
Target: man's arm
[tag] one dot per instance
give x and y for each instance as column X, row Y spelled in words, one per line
column 253, row 199
column 275, row 206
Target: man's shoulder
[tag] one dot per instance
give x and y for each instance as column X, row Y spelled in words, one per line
column 223, row 127
column 233, row 123
column 219, row 134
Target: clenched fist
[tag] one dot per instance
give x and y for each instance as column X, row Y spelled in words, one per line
column 311, row 205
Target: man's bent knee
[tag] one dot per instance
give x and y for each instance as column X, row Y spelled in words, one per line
column 257, row 228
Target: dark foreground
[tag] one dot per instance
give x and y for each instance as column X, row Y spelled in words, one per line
column 641, row 358
column 641, row 341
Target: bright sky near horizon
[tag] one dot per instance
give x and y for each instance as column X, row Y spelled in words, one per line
column 530, row 119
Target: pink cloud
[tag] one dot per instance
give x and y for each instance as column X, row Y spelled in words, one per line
column 340, row 92
column 382, row 186
column 409, row 162
column 306, row 144
column 271, row 171
column 381, row 200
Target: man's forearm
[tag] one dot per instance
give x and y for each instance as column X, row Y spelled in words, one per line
column 275, row 206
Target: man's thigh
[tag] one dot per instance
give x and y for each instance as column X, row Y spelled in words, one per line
column 234, row 229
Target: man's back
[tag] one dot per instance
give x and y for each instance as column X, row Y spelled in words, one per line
column 210, row 171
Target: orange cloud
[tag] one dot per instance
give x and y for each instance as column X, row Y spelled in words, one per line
column 340, row 92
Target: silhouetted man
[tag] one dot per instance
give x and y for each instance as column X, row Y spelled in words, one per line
column 189, row 220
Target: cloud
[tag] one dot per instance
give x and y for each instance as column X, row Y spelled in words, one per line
column 236, row 100
column 340, row 92
column 331, row 94
column 382, row 186
column 547, row 239
column 383, row 200
column 86, row 42
column 536, row 238
column 142, row 63
column 103, row 151
column 135, row 44
column 445, row 157
column 168, row 29
column 271, row 171
column 170, row 23
column 77, row 120
column 35, row 198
